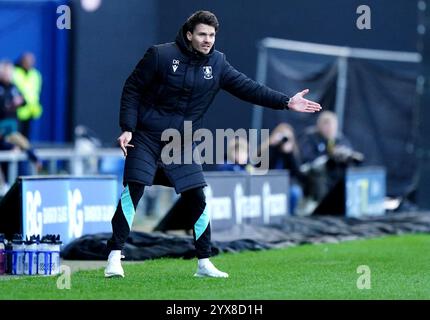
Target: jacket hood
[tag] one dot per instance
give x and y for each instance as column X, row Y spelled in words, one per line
column 187, row 49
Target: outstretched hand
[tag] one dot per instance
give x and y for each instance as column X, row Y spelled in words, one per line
column 300, row 104
column 124, row 140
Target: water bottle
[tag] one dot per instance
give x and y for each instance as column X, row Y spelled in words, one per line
column 8, row 245
column 17, row 255
column 30, row 256
column 44, row 257
column 56, row 248
column 2, row 255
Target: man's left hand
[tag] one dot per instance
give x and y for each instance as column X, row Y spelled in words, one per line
column 300, row 104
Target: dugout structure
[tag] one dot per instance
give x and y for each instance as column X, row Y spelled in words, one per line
column 373, row 92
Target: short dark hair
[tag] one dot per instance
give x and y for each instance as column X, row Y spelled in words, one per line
column 205, row 17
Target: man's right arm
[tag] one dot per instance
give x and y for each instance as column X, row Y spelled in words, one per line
column 239, row 85
column 244, row 88
column 141, row 76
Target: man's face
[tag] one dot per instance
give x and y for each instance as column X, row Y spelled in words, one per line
column 6, row 73
column 28, row 61
column 328, row 128
column 203, row 38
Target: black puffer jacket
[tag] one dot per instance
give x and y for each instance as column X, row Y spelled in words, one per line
column 173, row 83
column 170, row 85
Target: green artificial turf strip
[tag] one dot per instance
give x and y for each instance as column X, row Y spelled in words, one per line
column 399, row 266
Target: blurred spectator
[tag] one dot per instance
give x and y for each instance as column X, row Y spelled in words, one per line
column 236, row 158
column 284, row 154
column 29, row 82
column 16, row 142
column 10, row 100
column 326, row 154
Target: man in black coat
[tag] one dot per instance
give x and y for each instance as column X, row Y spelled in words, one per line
column 173, row 83
column 326, row 154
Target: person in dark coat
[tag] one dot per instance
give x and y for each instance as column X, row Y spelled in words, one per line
column 10, row 138
column 173, row 83
column 326, row 154
column 284, row 154
column 237, row 157
column 10, row 100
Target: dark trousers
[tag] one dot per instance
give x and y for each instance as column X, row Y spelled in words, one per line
column 25, row 127
column 193, row 206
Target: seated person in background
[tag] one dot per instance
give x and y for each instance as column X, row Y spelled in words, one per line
column 326, row 154
column 236, row 157
column 284, row 154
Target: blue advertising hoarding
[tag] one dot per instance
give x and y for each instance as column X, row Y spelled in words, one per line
column 273, row 191
column 68, row 206
column 365, row 190
column 241, row 198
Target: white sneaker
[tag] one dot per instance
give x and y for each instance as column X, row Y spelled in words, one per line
column 207, row 269
column 114, row 268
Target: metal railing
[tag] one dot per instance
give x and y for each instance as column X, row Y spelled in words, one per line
column 78, row 162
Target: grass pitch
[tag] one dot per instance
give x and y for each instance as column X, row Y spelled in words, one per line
column 399, row 268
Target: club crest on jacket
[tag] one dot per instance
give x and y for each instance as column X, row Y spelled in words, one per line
column 207, row 71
